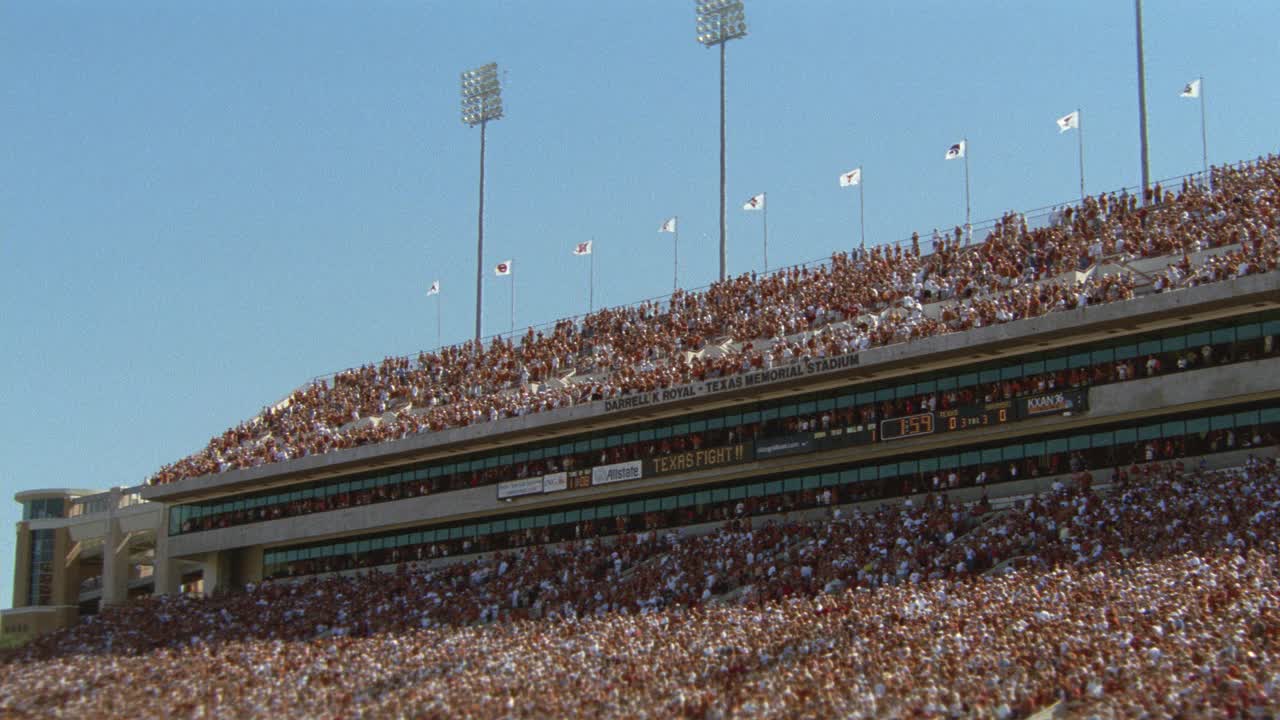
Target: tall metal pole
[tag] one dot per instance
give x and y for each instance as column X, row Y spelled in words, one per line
column 675, row 257
column 723, row 215
column 591, row 280
column 1204, row 138
column 720, row 21
column 439, row 344
column 968, row 227
column 862, row 213
column 513, row 303
column 1142, row 102
column 764, row 212
column 480, row 243
column 1080, row 137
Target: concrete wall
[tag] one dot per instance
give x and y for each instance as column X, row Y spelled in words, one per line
column 1207, row 387
column 1245, row 294
column 28, row 622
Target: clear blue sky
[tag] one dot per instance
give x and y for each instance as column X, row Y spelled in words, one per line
column 202, row 205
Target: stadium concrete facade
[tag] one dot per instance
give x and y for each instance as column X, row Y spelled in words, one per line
column 77, row 550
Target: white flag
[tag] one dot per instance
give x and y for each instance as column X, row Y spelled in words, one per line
column 502, row 268
column 582, row 248
column 851, row 178
column 668, row 225
column 434, row 289
column 1191, row 89
column 755, row 203
column 1068, row 122
column 957, row 150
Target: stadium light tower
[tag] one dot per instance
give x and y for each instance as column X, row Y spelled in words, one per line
column 481, row 102
column 1142, row 103
column 720, row 21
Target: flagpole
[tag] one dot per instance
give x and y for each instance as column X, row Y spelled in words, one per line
column 765, row 216
column 1080, row 133
column 513, row 302
column 591, row 280
column 1204, row 138
column 968, row 227
column 438, row 343
column 862, row 212
column 675, row 254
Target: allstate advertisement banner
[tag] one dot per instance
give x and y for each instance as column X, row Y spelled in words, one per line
column 555, row 482
column 619, row 472
column 789, row 445
column 516, row 488
column 1055, row 403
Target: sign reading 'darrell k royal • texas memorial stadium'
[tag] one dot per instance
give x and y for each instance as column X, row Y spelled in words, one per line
column 715, row 386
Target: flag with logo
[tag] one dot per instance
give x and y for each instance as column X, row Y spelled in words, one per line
column 502, row 268
column 582, row 248
column 668, row 225
column 434, row 289
column 755, row 203
column 956, row 150
column 851, row 178
column 1191, row 89
column 1068, row 122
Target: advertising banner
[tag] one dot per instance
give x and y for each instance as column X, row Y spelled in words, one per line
column 516, row 488
column 701, row 459
column 617, row 472
column 1054, row 403
column 788, row 445
column 555, row 482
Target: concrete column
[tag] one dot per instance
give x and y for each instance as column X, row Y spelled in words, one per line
column 249, row 565
column 22, row 565
column 115, row 557
column 168, row 575
column 217, row 572
column 66, row 575
column 115, row 565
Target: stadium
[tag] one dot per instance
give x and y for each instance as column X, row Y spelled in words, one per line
column 1027, row 467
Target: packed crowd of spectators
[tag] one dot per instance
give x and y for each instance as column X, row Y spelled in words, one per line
column 851, row 303
column 1156, row 596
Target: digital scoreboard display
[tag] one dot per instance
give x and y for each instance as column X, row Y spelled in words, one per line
column 946, row 421
column 974, row 417
column 907, row 426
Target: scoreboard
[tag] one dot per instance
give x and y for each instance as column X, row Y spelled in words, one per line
column 985, row 415
column 946, row 421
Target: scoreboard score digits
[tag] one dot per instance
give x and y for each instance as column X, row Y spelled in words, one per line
column 990, row 414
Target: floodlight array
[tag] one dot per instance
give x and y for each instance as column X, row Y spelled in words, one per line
column 481, row 95
column 720, row 21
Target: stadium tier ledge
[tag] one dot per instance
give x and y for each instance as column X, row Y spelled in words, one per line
column 1255, row 292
